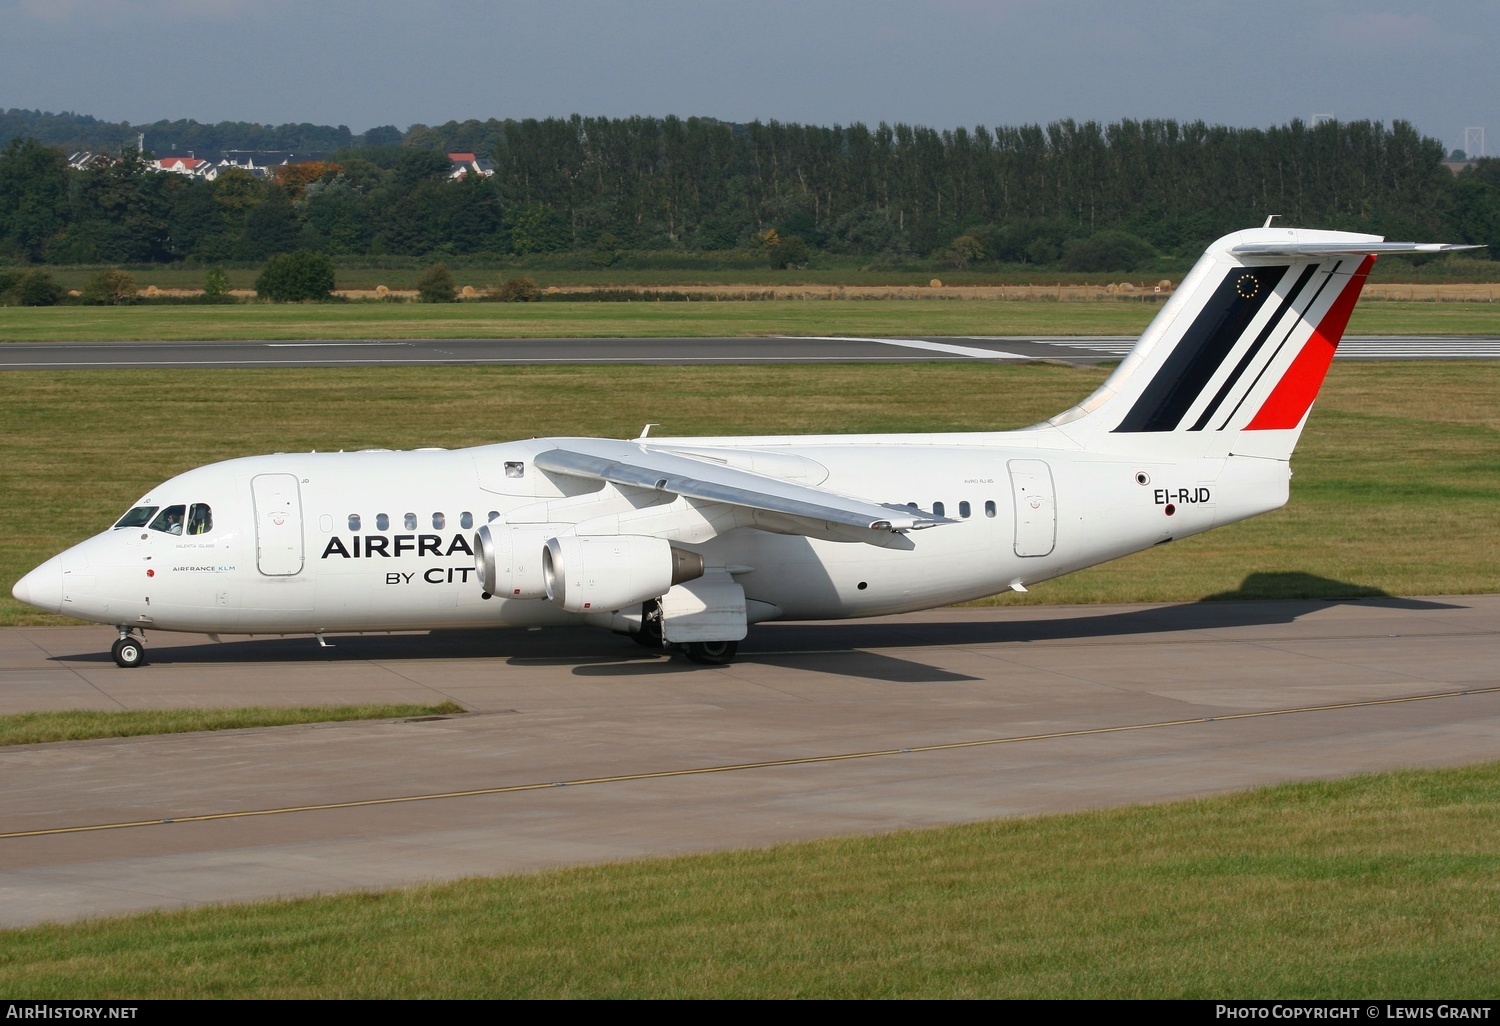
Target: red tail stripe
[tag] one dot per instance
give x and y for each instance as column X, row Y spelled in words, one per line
column 1293, row 395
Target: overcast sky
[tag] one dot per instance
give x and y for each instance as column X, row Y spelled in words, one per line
column 941, row 63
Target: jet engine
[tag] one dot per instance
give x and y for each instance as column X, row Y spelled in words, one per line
column 597, row 573
column 508, row 558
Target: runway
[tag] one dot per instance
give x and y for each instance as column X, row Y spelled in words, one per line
column 582, row 748
column 484, row 351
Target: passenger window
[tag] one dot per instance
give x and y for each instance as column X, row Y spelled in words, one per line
column 410, row 520
column 466, row 520
column 494, row 514
column 939, row 510
column 354, row 521
column 989, row 507
column 169, row 520
column 439, row 521
column 200, row 519
column 138, row 517
column 515, row 468
column 382, row 522
column 963, row 509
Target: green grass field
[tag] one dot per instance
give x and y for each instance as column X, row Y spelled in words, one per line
column 84, row 724
column 1375, row 887
column 570, row 270
column 739, row 318
column 732, row 268
column 1397, row 484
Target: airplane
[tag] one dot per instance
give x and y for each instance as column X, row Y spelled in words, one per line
column 684, row 542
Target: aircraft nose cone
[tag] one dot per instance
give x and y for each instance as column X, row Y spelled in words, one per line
column 43, row 587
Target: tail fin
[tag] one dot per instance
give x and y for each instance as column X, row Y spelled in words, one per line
column 1234, row 360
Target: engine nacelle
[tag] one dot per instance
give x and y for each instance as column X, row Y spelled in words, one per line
column 597, row 573
column 508, row 558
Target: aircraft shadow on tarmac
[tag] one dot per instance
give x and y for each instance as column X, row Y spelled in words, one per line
column 838, row 648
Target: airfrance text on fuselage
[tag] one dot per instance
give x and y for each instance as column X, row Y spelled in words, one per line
column 395, row 545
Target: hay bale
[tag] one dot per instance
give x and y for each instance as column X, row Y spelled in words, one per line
column 936, row 283
column 468, row 292
column 382, row 291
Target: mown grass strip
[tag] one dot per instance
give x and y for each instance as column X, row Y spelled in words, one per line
column 1377, row 886
column 920, row 317
column 86, row 724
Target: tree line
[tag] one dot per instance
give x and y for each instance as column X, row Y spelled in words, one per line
column 1082, row 195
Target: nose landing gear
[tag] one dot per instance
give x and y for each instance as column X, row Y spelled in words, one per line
column 128, row 651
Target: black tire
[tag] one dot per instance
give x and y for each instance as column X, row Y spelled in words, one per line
column 711, row 653
column 128, row 653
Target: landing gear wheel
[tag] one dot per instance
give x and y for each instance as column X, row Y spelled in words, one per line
column 711, row 653
column 128, row 652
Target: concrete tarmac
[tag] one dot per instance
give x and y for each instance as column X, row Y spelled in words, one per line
column 582, row 748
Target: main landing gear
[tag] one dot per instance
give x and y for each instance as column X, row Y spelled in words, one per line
column 128, row 651
column 711, row 653
column 708, row 653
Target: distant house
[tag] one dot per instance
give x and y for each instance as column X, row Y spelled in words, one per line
column 85, row 161
column 193, row 167
column 260, row 162
column 247, row 163
column 465, row 164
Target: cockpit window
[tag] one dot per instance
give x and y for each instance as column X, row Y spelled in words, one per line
column 169, row 520
column 138, row 517
column 200, row 519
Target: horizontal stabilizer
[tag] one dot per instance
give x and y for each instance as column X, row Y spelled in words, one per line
column 1316, row 250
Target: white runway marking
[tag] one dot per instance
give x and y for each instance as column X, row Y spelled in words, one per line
column 917, row 343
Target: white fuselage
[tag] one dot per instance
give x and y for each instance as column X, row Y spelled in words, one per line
column 356, row 547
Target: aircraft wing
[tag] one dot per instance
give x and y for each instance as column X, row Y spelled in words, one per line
column 637, row 466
